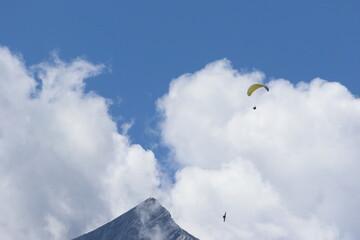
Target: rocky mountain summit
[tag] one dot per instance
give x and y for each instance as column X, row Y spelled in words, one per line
column 147, row 221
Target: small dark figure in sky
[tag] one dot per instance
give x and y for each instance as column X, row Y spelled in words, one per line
column 224, row 217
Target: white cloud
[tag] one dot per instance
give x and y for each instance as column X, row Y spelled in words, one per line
column 149, row 229
column 125, row 127
column 287, row 170
column 61, row 154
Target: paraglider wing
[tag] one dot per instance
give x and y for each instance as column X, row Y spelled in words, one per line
column 254, row 87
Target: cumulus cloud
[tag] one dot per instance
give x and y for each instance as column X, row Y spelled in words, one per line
column 64, row 168
column 287, row 170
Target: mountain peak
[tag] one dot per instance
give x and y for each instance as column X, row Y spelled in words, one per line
column 150, row 199
column 149, row 202
column 147, row 221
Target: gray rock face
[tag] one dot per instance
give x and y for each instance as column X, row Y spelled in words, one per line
column 147, row 221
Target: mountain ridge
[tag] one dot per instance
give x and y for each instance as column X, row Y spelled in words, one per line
column 148, row 220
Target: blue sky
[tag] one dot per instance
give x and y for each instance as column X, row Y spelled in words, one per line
column 146, row 44
column 179, row 71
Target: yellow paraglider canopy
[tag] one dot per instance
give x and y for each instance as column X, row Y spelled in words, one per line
column 254, row 87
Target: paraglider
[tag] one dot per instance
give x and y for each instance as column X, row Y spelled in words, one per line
column 254, row 87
